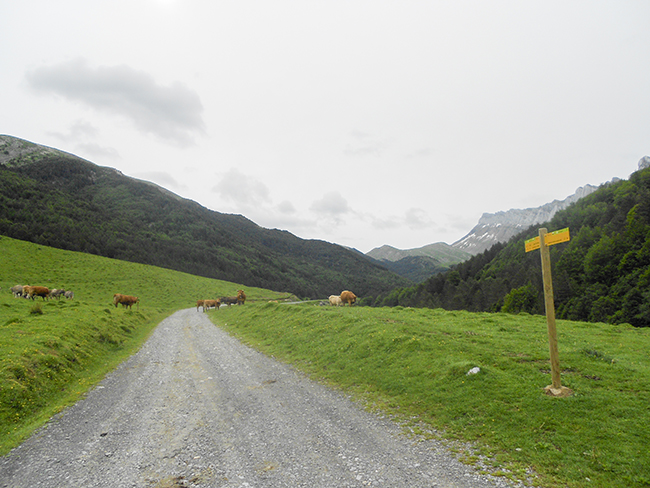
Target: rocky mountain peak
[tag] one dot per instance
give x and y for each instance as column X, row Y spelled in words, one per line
column 502, row 226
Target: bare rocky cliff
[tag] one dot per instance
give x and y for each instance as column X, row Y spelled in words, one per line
column 502, row 226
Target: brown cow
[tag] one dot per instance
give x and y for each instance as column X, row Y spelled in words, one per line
column 39, row 291
column 199, row 303
column 126, row 301
column 208, row 304
column 348, row 297
column 241, row 297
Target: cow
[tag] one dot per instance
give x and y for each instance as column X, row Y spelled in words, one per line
column 56, row 293
column 348, row 297
column 17, row 290
column 241, row 297
column 36, row 291
column 228, row 301
column 335, row 300
column 199, row 303
column 208, row 304
column 126, row 301
column 68, row 294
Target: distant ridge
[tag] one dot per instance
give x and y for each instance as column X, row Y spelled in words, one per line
column 493, row 228
column 440, row 251
column 420, row 263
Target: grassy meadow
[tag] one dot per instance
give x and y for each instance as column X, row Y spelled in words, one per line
column 408, row 363
column 413, row 363
column 52, row 352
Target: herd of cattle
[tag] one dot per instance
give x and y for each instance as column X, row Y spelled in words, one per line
column 127, row 301
column 208, row 304
column 26, row 291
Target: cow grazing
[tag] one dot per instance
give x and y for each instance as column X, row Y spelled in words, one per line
column 69, row 294
column 36, row 291
column 348, row 297
column 199, row 303
column 228, row 301
column 238, row 300
column 56, row 293
column 17, row 290
column 208, row 304
column 127, row 301
column 335, row 300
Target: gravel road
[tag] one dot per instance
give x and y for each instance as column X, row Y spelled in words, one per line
column 195, row 407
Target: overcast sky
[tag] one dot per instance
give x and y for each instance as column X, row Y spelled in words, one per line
column 362, row 123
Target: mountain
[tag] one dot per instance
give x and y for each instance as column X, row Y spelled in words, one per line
column 493, row 228
column 601, row 275
column 57, row 199
column 420, row 263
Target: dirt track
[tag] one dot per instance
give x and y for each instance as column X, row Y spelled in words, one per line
column 197, row 408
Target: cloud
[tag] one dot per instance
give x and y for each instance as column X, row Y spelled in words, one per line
column 386, row 223
column 363, row 144
column 413, row 218
column 97, row 151
column 417, row 219
column 286, row 207
column 172, row 113
column 242, row 190
column 332, row 205
column 79, row 129
column 79, row 132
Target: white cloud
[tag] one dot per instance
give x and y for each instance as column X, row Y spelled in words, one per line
column 173, row 113
column 417, row 219
column 363, row 144
column 242, row 190
column 332, row 205
column 93, row 150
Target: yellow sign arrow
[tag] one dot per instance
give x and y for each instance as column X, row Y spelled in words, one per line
column 551, row 238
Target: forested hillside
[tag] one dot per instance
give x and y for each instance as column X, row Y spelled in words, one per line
column 59, row 200
column 601, row 275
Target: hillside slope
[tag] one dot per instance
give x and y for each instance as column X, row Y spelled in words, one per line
column 54, row 198
column 601, row 275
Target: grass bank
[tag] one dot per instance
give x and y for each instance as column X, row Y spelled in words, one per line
column 414, row 363
column 52, row 352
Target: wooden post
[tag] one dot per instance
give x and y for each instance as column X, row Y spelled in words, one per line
column 556, row 388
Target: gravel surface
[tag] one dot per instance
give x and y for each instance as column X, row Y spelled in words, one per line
column 195, row 407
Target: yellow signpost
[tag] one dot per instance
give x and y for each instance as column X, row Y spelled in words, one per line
column 542, row 243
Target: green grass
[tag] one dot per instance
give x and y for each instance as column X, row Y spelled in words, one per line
column 52, row 352
column 413, row 364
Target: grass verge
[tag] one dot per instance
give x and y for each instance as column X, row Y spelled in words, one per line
column 414, row 363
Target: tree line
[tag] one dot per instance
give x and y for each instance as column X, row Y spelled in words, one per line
column 601, row 275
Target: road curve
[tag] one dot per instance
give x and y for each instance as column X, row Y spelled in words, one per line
column 195, row 407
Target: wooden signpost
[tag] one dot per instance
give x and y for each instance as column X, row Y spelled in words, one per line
column 542, row 243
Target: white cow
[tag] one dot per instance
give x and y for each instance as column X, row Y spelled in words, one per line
column 336, row 300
